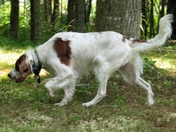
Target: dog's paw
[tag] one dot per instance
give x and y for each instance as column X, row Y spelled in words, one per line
column 86, row 104
column 61, row 103
column 151, row 102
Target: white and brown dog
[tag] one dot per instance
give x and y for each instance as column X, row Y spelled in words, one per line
column 69, row 55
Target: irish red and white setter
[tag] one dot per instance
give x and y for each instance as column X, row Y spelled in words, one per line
column 69, row 55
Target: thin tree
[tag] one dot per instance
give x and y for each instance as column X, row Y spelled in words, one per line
column 151, row 19
column 88, row 6
column 172, row 9
column 80, row 15
column 144, row 19
column 35, row 20
column 14, row 19
column 55, row 13
column 71, row 15
column 76, row 19
column 47, row 11
column 162, row 10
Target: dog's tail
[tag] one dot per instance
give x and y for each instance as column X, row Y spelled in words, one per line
column 165, row 32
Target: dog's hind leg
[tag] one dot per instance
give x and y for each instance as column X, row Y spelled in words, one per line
column 130, row 75
column 142, row 83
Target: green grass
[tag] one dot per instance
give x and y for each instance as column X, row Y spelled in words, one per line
column 27, row 107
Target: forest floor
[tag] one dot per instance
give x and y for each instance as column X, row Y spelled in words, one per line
column 27, row 107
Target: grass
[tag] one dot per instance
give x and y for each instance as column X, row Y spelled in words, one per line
column 27, row 107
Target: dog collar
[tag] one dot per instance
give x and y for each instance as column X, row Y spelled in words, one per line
column 36, row 69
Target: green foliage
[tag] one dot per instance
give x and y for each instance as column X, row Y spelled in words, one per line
column 10, row 45
column 48, row 29
column 5, row 18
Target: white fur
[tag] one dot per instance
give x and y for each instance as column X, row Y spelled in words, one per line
column 105, row 53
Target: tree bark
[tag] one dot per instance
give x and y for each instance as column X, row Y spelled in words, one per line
column 47, row 10
column 144, row 19
column 14, row 19
column 35, row 20
column 172, row 9
column 122, row 16
column 55, row 13
column 162, row 11
column 151, row 19
column 76, row 15
column 88, row 5
column 71, row 15
column 80, row 15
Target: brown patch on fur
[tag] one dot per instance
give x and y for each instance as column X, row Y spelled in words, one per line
column 125, row 38
column 21, row 65
column 133, row 40
column 138, row 41
column 20, row 60
column 63, row 51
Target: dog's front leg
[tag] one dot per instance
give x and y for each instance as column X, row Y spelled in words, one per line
column 68, row 94
column 67, row 82
column 49, row 87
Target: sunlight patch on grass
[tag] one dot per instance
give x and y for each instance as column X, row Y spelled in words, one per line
column 9, row 58
column 164, row 64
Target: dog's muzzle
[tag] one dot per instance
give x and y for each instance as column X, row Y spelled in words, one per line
column 18, row 80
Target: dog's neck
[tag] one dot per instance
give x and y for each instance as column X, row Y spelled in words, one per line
column 38, row 59
column 37, row 68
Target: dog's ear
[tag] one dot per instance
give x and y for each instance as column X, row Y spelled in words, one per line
column 23, row 64
column 19, row 62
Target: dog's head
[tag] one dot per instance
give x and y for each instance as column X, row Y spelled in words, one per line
column 22, row 69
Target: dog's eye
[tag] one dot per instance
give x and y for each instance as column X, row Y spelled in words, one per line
column 25, row 70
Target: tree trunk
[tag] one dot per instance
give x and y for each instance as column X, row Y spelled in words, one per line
column 122, row 16
column 80, row 15
column 55, row 13
column 172, row 9
column 162, row 11
column 76, row 15
column 35, row 20
column 71, row 15
column 144, row 19
column 14, row 18
column 88, row 5
column 47, row 10
column 151, row 19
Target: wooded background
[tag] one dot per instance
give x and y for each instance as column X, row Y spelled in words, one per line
column 38, row 20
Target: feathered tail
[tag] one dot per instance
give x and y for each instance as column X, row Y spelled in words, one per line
column 165, row 32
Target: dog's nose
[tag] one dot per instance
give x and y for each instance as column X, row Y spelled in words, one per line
column 9, row 75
